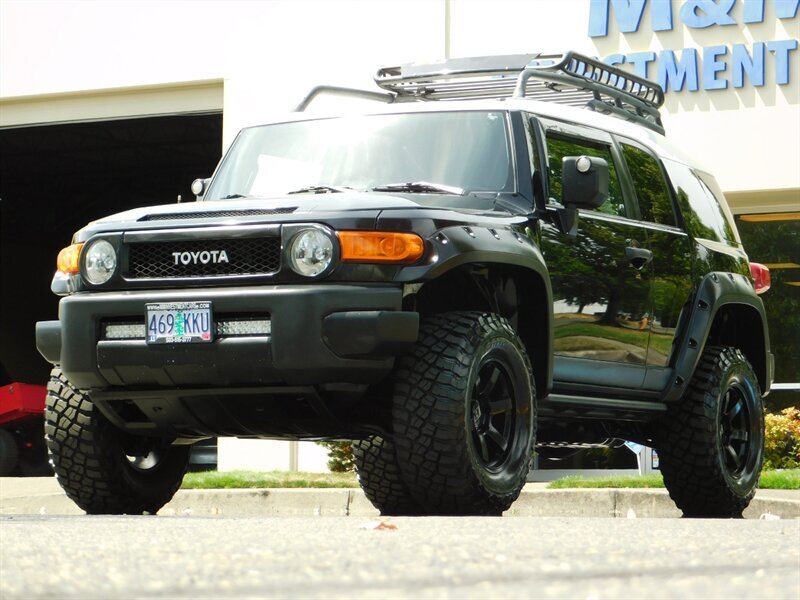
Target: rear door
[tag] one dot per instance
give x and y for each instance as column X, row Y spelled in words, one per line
column 672, row 257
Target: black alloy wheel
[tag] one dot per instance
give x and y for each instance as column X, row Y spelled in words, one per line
column 737, row 430
column 493, row 405
column 146, row 461
column 711, row 443
column 464, row 415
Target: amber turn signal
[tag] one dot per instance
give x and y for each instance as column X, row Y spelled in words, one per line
column 67, row 262
column 380, row 246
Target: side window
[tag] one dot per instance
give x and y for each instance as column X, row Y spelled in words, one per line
column 703, row 213
column 726, row 223
column 558, row 147
column 651, row 189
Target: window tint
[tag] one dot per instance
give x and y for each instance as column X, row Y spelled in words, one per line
column 651, row 189
column 558, row 148
column 702, row 212
column 712, row 187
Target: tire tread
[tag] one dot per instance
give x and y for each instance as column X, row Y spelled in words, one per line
column 82, row 443
column 689, row 461
column 428, row 416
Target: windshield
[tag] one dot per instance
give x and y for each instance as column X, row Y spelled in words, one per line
column 467, row 150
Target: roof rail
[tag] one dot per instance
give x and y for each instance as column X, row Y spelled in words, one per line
column 568, row 78
column 335, row 90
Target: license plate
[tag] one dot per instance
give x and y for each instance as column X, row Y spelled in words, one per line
column 179, row 323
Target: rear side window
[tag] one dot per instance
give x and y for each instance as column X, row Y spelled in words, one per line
column 706, row 216
column 558, row 147
column 655, row 204
column 730, row 232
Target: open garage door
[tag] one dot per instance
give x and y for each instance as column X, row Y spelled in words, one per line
column 56, row 178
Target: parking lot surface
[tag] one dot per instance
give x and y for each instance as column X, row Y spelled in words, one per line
column 366, row 557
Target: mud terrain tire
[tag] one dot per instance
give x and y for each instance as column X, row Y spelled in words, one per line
column 711, row 444
column 463, row 413
column 379, row 476
column 93, row 467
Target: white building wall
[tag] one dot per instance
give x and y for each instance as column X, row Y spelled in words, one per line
column 253, row 455
column 749, row 137
column 311, row 457
column 270, row 455
column 270, row 53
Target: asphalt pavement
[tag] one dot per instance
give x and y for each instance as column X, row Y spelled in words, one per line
column 365, row 557
column 43, row 496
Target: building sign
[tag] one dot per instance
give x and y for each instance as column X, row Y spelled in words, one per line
column 714, row 67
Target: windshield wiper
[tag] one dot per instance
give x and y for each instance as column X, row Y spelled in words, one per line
column 320, row 189
column 232, row 196
column 420, row 187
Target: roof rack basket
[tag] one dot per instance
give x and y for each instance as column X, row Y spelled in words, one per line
column 568, row 78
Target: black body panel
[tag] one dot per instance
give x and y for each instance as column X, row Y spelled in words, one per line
column 295, row 353
column 635, row 301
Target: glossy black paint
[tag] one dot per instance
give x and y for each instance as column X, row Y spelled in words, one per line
column 657, row 294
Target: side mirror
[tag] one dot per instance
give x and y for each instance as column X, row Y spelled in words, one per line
column 199, row 187
column 584, row 181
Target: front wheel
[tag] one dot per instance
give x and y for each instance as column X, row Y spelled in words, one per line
column 463, row 415
column 100, row 469
column 711, row 444
column 379, row 476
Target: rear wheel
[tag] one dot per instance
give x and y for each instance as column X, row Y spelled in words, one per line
column 711, row 445
column 379, row 476
column 100, row 469
column 464, row 415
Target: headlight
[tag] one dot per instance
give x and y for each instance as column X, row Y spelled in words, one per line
column 310, row 252
column 100, row 261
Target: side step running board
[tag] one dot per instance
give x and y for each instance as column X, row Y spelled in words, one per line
column 586, row 407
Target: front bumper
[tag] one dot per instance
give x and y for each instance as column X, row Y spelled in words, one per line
column 319, row 334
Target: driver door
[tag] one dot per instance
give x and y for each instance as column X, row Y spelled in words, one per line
column 601, row 275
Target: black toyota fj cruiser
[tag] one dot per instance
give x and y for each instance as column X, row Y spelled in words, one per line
column 448, row 283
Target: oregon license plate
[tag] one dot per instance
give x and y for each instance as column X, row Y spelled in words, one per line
column 179, row 322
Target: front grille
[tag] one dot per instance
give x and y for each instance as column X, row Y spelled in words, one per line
column 197, row 258
column 221, row 214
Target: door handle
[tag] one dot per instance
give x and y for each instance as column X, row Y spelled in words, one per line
column 638, row 257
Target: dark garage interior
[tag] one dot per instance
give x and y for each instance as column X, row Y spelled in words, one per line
column 56, row 178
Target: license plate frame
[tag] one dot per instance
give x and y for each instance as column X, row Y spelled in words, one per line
column 168, row 322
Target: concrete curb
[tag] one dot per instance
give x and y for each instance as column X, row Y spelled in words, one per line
column 621, row 503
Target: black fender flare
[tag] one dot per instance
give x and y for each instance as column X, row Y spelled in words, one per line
column 719, row 291
column 465, row 244
column 455, row 246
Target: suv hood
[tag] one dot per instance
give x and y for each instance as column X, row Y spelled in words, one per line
column 364, row 206
column 295, row 204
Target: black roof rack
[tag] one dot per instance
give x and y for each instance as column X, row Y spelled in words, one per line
column 568, row 78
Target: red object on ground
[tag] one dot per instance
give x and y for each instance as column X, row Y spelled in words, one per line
column 20, row 401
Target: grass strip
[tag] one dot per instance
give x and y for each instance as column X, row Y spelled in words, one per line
column 618, row 481
column 787, row 479
column 266, row 479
